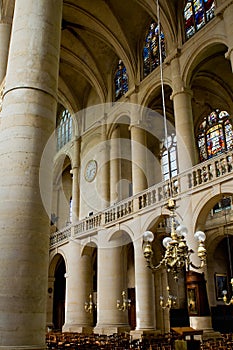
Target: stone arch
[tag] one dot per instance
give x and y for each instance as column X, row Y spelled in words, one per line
column 56, row 292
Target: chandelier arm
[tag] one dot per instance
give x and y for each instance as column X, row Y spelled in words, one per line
column 197, row 267
column 154, row 267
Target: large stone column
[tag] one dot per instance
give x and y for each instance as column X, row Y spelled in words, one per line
column 28, row 118
column 145, row 295
column 76, row 181
column 115, row 165
column 111, row 283
column 186, row 146
column 138, row 141
column 78, row 288
column 104, row 168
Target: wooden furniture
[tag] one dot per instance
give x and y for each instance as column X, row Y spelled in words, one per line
column 187, row 331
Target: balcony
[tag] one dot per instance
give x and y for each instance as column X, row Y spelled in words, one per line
column 199, row 178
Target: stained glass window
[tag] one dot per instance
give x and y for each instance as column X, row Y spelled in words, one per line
column 169, row 158
column 215, row 134
column 196, row 14
column 71, row 209
column 121, row 80
column 151, row 49
column 64, row 127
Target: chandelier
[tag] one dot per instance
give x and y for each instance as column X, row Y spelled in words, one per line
column 90, row 305
column 171, row 300
column 177, row 253
column 126, row 303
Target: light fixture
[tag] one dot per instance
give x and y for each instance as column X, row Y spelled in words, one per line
column 126, row 303
column 171, row 300
column 177, row 253
column 224, row 292
column 90, row 305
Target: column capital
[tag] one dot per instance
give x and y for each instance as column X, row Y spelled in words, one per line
column 183, row 90
column 175, row 54
column 140, row 124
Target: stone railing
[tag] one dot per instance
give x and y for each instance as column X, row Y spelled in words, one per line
column 60, row 237
column 199, row 177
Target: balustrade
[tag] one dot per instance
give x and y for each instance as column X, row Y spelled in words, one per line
column 202, row 175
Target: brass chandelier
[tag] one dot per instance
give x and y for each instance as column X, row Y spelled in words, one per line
column 177, row 253
column 170, row 302
column 90, row 306
column 126, row 303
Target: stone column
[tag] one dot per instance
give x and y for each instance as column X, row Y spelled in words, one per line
column 104, row 178
column 144, row 290
column 114, row 165
column 111, row 283
column 138, row 141
column 186, row 146
column 28, row 119
column 78, row 288
column 76, row 181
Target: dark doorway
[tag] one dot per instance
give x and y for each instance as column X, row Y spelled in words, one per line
column 59, row 295
column 132, row 310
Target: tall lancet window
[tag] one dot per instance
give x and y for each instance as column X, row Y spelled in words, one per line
column 196, row 14
column 151, row 49
column 121, row 80
column 169, row 157
column 64, row 127
column 215, row 134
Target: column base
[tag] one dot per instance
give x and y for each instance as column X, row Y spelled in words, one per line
column 108, row 330
column 138, row 333
column 87, row 329
column 204, row 323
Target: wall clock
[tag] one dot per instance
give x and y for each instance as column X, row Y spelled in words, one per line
column 90, row 170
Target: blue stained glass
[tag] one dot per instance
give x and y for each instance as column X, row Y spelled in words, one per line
column 121, row 80
column 151, row 49
column 196, row 14
column 215, row 135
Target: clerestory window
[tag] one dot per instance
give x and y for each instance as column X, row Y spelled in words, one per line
column 151, row 57
column 64, row 127
column 196, row 14
column 121, row 80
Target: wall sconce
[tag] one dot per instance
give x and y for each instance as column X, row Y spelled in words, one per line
column 90, row 305
column 171, row 300
column 224, row 292
column 126, row 303
column 177, row 253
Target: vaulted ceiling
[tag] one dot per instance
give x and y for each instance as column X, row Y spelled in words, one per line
column 96, row 34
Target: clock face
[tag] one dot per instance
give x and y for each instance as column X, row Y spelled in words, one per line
column 90, row 170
